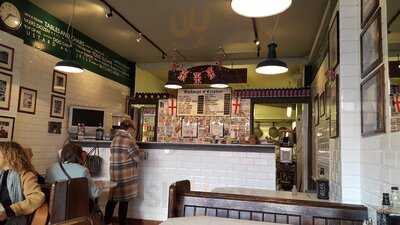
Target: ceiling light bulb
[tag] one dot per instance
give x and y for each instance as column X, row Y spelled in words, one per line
column 257, row 42
column 139, row 38
column 68, row 66
column 260, row 8
column 219, row 85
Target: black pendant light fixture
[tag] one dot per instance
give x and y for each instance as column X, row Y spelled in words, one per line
column 272, row 65
column 173, row 82
column 219, row 83
column 69, row 65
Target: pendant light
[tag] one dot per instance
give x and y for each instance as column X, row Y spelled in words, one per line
column 260, row 8
column 173, row 82
column 272, row 65
column 398, row 60
column 219, row 83
column 69, row 65
column 289, row 111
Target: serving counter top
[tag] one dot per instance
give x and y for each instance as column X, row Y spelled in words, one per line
column 183, row 146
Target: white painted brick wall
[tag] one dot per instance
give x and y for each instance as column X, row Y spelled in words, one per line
column 34, row 69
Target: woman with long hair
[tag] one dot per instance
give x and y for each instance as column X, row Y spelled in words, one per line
column 20, row 193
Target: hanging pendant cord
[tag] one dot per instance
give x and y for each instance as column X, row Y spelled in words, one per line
column 276, row 22
column 70, row 23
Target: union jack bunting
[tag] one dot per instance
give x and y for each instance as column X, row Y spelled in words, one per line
column 197, row 77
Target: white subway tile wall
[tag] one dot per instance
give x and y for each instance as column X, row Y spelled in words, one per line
column 206, row 171
column 34, row 69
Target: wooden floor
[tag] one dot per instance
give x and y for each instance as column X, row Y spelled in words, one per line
column 138, row 222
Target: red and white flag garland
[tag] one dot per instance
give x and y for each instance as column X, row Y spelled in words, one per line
column 210, row 73
column 183, row 75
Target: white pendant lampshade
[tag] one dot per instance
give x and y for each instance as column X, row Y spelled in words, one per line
column 219, row 82
column 260, row 8
column 272, row 65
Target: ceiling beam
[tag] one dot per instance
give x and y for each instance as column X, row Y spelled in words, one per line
column 163, row 53
column 391, row 21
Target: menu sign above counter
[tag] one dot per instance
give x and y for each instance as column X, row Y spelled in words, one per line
column 204, row 102
column 49, row 34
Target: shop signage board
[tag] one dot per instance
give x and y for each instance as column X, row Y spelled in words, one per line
column 203, row 102
column 45, row 32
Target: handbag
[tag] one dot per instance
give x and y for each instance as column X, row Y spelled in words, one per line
column 94, row 162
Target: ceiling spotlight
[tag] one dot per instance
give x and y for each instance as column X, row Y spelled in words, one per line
column 272, row 65
column 139, row 37
column 257, row 42
column 108, row 12
column 260, row 8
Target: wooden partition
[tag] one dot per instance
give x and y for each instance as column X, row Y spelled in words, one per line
column 184, row 202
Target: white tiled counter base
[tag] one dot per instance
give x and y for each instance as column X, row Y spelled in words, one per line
column 206, row 171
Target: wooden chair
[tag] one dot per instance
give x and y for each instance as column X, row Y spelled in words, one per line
column 69, row 200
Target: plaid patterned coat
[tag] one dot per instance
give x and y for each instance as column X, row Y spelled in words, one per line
column 124, row 161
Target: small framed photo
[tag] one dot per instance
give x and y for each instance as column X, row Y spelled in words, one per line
column 333, row 108
column 5, row 90
column 373, row 103
column 6, row 57
column 322, row 104
column 316, row 110
column 334, row 49
column 368, row 7
column 27, row 100
column 6, row 128
column 54, row 127
column 189, row 128
column 57, row 107
column 371, row 45
column 59, row 82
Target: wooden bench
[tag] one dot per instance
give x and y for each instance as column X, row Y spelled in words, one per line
column 184, row 202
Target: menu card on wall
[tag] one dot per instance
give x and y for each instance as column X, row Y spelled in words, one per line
column 203, row 102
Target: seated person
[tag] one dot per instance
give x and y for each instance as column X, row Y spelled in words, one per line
column 71, row 159
column 29, row 154
column 20, row 194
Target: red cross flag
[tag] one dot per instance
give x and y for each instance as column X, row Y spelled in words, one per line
column 172, row 106
column 236, row 106
column 197, row 77
column 396, row 103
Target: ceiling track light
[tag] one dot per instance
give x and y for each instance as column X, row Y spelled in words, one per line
column 260, row 8
column 108, row 12
column 139, row 37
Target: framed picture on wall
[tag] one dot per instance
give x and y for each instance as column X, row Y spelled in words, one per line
column 27, row 100
column 373, row 103
column 189, row 127
column 371, row 45
column 327, row 99
column 5, row 90
column 6, row 57
column 334, row 43
column 316, row 110
column 333, row 108
column 54, row 127
column 368, row 7
column 59, row 82
column 322, row 104
column 6, row 128
column 57, row 107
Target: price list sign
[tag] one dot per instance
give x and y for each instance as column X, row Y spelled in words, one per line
column 204, row 102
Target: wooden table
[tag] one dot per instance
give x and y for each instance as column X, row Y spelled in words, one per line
column 206, row 220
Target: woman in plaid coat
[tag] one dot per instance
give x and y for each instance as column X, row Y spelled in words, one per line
column 124, row 161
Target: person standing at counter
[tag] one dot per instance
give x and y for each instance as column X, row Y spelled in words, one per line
column 124, row 161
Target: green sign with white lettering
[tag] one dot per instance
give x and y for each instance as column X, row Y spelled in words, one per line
column 43, row 31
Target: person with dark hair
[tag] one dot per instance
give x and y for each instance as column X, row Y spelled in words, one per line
column 124, row 161
column 72, row 161
column 20, row 194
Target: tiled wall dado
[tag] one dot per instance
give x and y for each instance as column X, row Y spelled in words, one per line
column 34, row 69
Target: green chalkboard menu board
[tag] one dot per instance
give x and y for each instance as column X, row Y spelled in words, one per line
column 45, row 32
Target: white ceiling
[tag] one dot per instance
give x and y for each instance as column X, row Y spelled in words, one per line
column 196, row 28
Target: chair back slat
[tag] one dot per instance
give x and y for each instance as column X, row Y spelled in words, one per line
column 69, row 200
